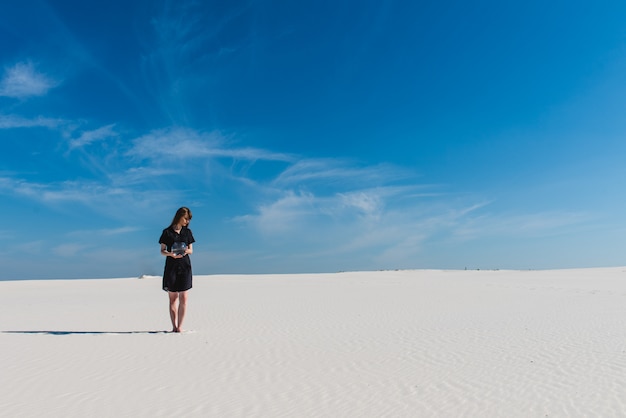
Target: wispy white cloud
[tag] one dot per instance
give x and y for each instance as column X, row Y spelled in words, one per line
column 186, row 143
column 403, row 234
column 519, row 225
column 139, row 175
column 66, row 191
column 365, row 202
column 68, row 249
column 286, row 214
column 15, row 121
column 89, row 137
column 369, row 228
column 295, row 211
column 252, row 154
column 183, row 31
column 388, row 226
column 181, row 143
column 104, row 232
column 114, row 201
column 186, row 42
column 336, row 199
column 22, row 81
column 331, row 170
column 29, row 247
column 118, row 231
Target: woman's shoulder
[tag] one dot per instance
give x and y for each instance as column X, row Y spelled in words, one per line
column 169, row 231
column 188, row 234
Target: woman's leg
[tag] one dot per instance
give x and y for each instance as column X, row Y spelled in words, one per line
column 174, row 306
column 182, row 309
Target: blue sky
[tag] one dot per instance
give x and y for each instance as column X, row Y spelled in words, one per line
column 312, row 136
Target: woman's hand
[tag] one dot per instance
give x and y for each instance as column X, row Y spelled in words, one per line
column 172, row 254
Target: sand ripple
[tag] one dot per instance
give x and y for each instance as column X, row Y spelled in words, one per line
column 383, row 344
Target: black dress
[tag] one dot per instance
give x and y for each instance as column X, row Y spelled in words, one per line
column 177, row 274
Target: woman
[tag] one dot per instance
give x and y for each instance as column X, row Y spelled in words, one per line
column 176, row 244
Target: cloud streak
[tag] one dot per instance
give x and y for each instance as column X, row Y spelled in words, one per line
column 111, row 200
column 22, row 81
column 185, row 143
column 89, row 137
column 15, row 121
column 331, row 170
column 123, row 230
column 519, row 225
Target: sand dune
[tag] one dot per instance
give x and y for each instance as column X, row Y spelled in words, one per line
column 369, row 344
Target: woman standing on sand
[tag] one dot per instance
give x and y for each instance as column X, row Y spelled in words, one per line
column 176, row 244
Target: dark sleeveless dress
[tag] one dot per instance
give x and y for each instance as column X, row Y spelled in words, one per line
column 177, row 275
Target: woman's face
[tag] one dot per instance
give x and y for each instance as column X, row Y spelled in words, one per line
column 184, row 221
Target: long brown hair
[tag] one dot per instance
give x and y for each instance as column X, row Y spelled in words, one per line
column 180, row 213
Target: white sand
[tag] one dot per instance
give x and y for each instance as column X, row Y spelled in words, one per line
column 378, row 344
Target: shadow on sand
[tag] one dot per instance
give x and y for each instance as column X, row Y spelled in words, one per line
column 85, row 332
